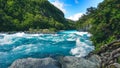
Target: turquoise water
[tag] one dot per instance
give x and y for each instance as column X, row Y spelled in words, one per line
column 64, row 43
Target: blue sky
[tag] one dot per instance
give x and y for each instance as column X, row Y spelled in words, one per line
column 73, row 9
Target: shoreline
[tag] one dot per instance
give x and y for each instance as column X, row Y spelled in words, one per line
column 28, row 32
column 44, row 31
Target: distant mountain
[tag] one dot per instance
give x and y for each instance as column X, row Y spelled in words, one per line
column 20, row 15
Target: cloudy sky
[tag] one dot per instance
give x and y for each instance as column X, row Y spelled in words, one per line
column 73, row 9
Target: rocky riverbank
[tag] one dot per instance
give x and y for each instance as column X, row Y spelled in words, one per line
column 33, row 31
column 107, row 57
column 110, row 55
column 61, row 62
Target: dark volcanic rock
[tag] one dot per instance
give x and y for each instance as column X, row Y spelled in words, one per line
column 35, row 63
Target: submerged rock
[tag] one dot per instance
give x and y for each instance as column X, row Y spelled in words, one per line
column 35, row 63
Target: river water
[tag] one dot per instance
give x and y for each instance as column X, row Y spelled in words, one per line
column 22, row 45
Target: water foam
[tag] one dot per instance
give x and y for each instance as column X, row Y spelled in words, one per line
column 21, row 45
column 83, row 44
column 5, row 40
column 82, row 48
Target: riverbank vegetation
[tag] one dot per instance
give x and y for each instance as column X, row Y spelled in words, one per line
column 103, row 22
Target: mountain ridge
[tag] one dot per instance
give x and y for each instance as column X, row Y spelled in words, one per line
column 20, row 15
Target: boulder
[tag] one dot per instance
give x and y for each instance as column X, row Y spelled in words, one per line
column 74, row 62
column 95, row 59
column 115, row 65
column 109, row 54
column 35, row 63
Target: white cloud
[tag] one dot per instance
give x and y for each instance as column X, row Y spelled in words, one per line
column 75, row 17
column 59, row 5
column 76, row 1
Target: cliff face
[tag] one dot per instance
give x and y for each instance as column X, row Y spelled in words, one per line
column 25, row 14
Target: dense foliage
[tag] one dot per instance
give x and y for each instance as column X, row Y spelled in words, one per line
column 20, row 15
column 103, row 22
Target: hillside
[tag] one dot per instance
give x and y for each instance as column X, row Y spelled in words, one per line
column 103, row 22
column 21, row 15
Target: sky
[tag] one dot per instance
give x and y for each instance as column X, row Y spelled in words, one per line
column 74, row 9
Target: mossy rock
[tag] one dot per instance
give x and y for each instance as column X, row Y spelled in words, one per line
column 112, row 66
column 119, row 60
column 117, row 44
column 107, row 47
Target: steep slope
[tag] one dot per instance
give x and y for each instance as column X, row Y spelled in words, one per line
column 18, row 15
column 103, row 21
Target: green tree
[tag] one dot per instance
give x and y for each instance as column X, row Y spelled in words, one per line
column 104, row 21
column 24, row 14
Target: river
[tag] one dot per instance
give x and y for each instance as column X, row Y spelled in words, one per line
column 63, row 43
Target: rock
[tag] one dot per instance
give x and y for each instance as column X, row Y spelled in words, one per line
column 115, row 65
column 35, row 63
column 63, row 62
column 95, row 59
column 74, row 62
column 109, row 53
column 109, row 47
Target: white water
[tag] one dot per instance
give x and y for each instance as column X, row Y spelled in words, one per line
column 21, row 45
column 82, row 48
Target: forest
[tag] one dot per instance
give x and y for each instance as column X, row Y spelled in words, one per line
column 22, row 15
column 102, row 22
